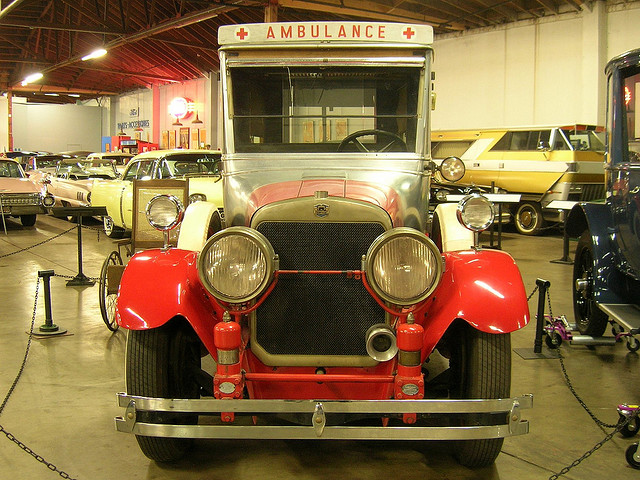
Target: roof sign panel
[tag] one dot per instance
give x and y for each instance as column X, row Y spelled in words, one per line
column 325, row 32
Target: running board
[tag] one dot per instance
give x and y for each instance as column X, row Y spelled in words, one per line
column 626, row 315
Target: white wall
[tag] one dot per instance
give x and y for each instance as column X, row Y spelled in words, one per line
column 543, row 72
column 54, row 128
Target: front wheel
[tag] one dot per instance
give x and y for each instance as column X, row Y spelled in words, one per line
column 528, row 218
column 590, row 320
column 107, row 296
column 110, row 229
column 163, row 363
column 28, row 220
column 481, row 369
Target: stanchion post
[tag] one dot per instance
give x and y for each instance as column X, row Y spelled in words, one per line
column 543, row 286
column 48, row 328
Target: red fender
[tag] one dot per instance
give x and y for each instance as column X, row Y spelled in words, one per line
column 484, row 288
column 158, row 285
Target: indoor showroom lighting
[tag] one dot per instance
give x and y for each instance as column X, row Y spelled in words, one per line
column 34, row 77
column 95, row 54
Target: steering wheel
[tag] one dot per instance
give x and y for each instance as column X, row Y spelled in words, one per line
column 353, row 138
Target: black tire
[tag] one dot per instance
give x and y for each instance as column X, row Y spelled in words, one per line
column 111, row 230
column 162, row 363
column 28, row 220
column 108, row 300
column 528, row 218
column 553, row 340
column 590, row 320
column 631, row 428
column 630, row 452
column 481, row 368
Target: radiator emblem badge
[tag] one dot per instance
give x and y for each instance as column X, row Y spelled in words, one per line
column 321, row 210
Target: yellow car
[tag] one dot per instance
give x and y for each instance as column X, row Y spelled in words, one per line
column 201, row 167
column 542, row 164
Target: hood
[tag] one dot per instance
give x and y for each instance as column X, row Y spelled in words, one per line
column 17, row 185
column 380, row 195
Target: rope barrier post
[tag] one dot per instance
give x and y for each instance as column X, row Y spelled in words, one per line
column 543, row 286
column 48, row 328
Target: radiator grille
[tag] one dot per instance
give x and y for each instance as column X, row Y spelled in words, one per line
column 312, row 314
column 20, row 199
column 592, row 192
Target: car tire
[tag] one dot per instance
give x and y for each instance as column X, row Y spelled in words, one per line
column 590, row 320
column 161, row 363
column 481, row 368
column 528, row 218
column 111, row 230
column 28, row 220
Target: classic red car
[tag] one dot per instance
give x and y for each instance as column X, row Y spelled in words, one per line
column 323, row 297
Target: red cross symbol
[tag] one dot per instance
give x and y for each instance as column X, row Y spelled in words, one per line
column 409, row 32
column 242, row 33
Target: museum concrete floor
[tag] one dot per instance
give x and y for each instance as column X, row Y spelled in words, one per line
column 63, row 406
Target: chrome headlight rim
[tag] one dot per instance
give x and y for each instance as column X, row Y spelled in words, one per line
column 263, row 245
column 197, row 197
column 48, row 200
column 384, row 239
column 452, row 169
column 175, row 201
column 462, row 206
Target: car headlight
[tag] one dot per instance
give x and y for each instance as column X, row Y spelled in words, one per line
column 197, row 197
column 403, row 266
column 164, row 212
column 452, row 169
column 441, row 195
column 49, row 200
column 237, row 264
column 475, row 212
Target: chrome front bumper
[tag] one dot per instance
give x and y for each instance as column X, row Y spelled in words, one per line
column 511, row 408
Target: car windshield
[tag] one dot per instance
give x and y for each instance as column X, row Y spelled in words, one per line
column 582, row 140
column 314, row 109
column 631, row 82
column 181, row 165
column 10, row 169
column 84, row 170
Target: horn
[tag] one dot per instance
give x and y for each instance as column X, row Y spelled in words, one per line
column 381, row 342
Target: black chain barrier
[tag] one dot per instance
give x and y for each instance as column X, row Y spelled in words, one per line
column 623, row 421
column 41, row 243
column 9, row 435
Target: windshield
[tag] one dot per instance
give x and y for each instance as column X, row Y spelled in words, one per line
column 585, row 140
column 189, row 164
column 325, row 109
column 10, row 169
column 84, row 170
column 631, row 89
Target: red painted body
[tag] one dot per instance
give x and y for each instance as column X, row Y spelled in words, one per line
column 484, row 288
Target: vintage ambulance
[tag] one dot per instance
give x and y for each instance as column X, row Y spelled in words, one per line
column 323, row 309
column 542, row 164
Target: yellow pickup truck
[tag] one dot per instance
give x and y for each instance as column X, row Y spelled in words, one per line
column 541, row 164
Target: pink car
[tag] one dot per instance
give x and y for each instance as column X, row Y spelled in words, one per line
column 19, row 196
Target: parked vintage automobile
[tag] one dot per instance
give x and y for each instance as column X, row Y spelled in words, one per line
column 200, row 167
column 606, row 272
column 19, row 196
column 323, row 298
column 542, row 164
column 38, row 167
column 73, row 179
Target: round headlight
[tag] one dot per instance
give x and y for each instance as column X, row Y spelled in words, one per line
column 452, row 169
column 197, row 197
column 403, row 266
column 441, row 195
column 236, row 264
column 164, row 212
column 49, row 201
column 475, row 212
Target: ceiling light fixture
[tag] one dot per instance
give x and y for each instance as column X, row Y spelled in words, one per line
column 34, row 77
column 101, row 52
column 197, row 120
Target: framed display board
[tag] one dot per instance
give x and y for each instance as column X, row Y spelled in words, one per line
column 143, row 235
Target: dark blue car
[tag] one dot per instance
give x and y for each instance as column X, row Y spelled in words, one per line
column 606, row 273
